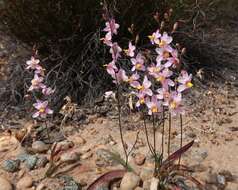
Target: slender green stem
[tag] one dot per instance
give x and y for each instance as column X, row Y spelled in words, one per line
column 147, row 136
column 181, row 138
column 169, row 137
column 154, row 132
column 154, row 138
column 163, row 125
column 120, row 123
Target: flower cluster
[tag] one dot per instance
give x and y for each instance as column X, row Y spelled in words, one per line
column 37, row 85
column 156, row 83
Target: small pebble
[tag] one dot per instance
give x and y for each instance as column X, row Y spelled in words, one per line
column 154, row 183
column 11, row 165
column 227, row 174
column 221, row 180
column 39, row 147
column 64, row 145
column 41, row 161
column 24, row 182
column 31, row 161
column 41, row 186
column 69, row 156
column 139, row 159
column 130, row 181
column 5, row 184
column 86, row 155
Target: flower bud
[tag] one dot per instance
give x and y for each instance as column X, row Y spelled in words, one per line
column 183, row 51
column 175, row 26
column 162, row 25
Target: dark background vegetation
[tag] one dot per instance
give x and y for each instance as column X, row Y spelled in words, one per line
column 67, row 35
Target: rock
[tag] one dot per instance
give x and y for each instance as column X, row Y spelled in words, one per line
column 41, row 161
column 70, row 156
column 39, row 147
column 63, row 146
column 204, row 154
column 227, row 174
column 104, row 157
column 154, row 183
column 130, row 181
column 77, row 139
column 22, row 157
column 24, row 182
column 138, row 188
column 11, row 165
column 192, row 135
column 211, row 178
column 221, row 180
column 30, row 161
column 86, row 155
column 85, row 149
column 139, row 159
column 146, row 174
column 5, row 184
column 146, row 184
column 41, row 186
column 70, row 183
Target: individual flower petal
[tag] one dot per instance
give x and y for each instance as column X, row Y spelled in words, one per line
column 185, row 81
column 165, row 40
column 115, row 50
column 47, row 91
column 43, row 110
column 138, row 63
column 36, row 83
column 111, row 26
column 33, row 63
column 155, row 38
column 131, row 50
column 154, row 106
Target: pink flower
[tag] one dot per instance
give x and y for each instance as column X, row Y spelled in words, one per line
column 141, row 99
column 36, row 83
column 111, row 26
column 163, row 94
column 120, row 77
column 47, row 91
column 174, row 60
column 108, row 39
column 144, row 88
column 163, row 53
column 155, row 38
column 154, row 70
column 115, row 50
column 163, row 78
column 33, row 63
column 111, row 69
column 138, row 63
column 165, row 40
column 133, row 77
column 154, row 105
column 130, row 51
column 42, row 108
column 185, row 81
column 40, row 71
column 175, row 106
